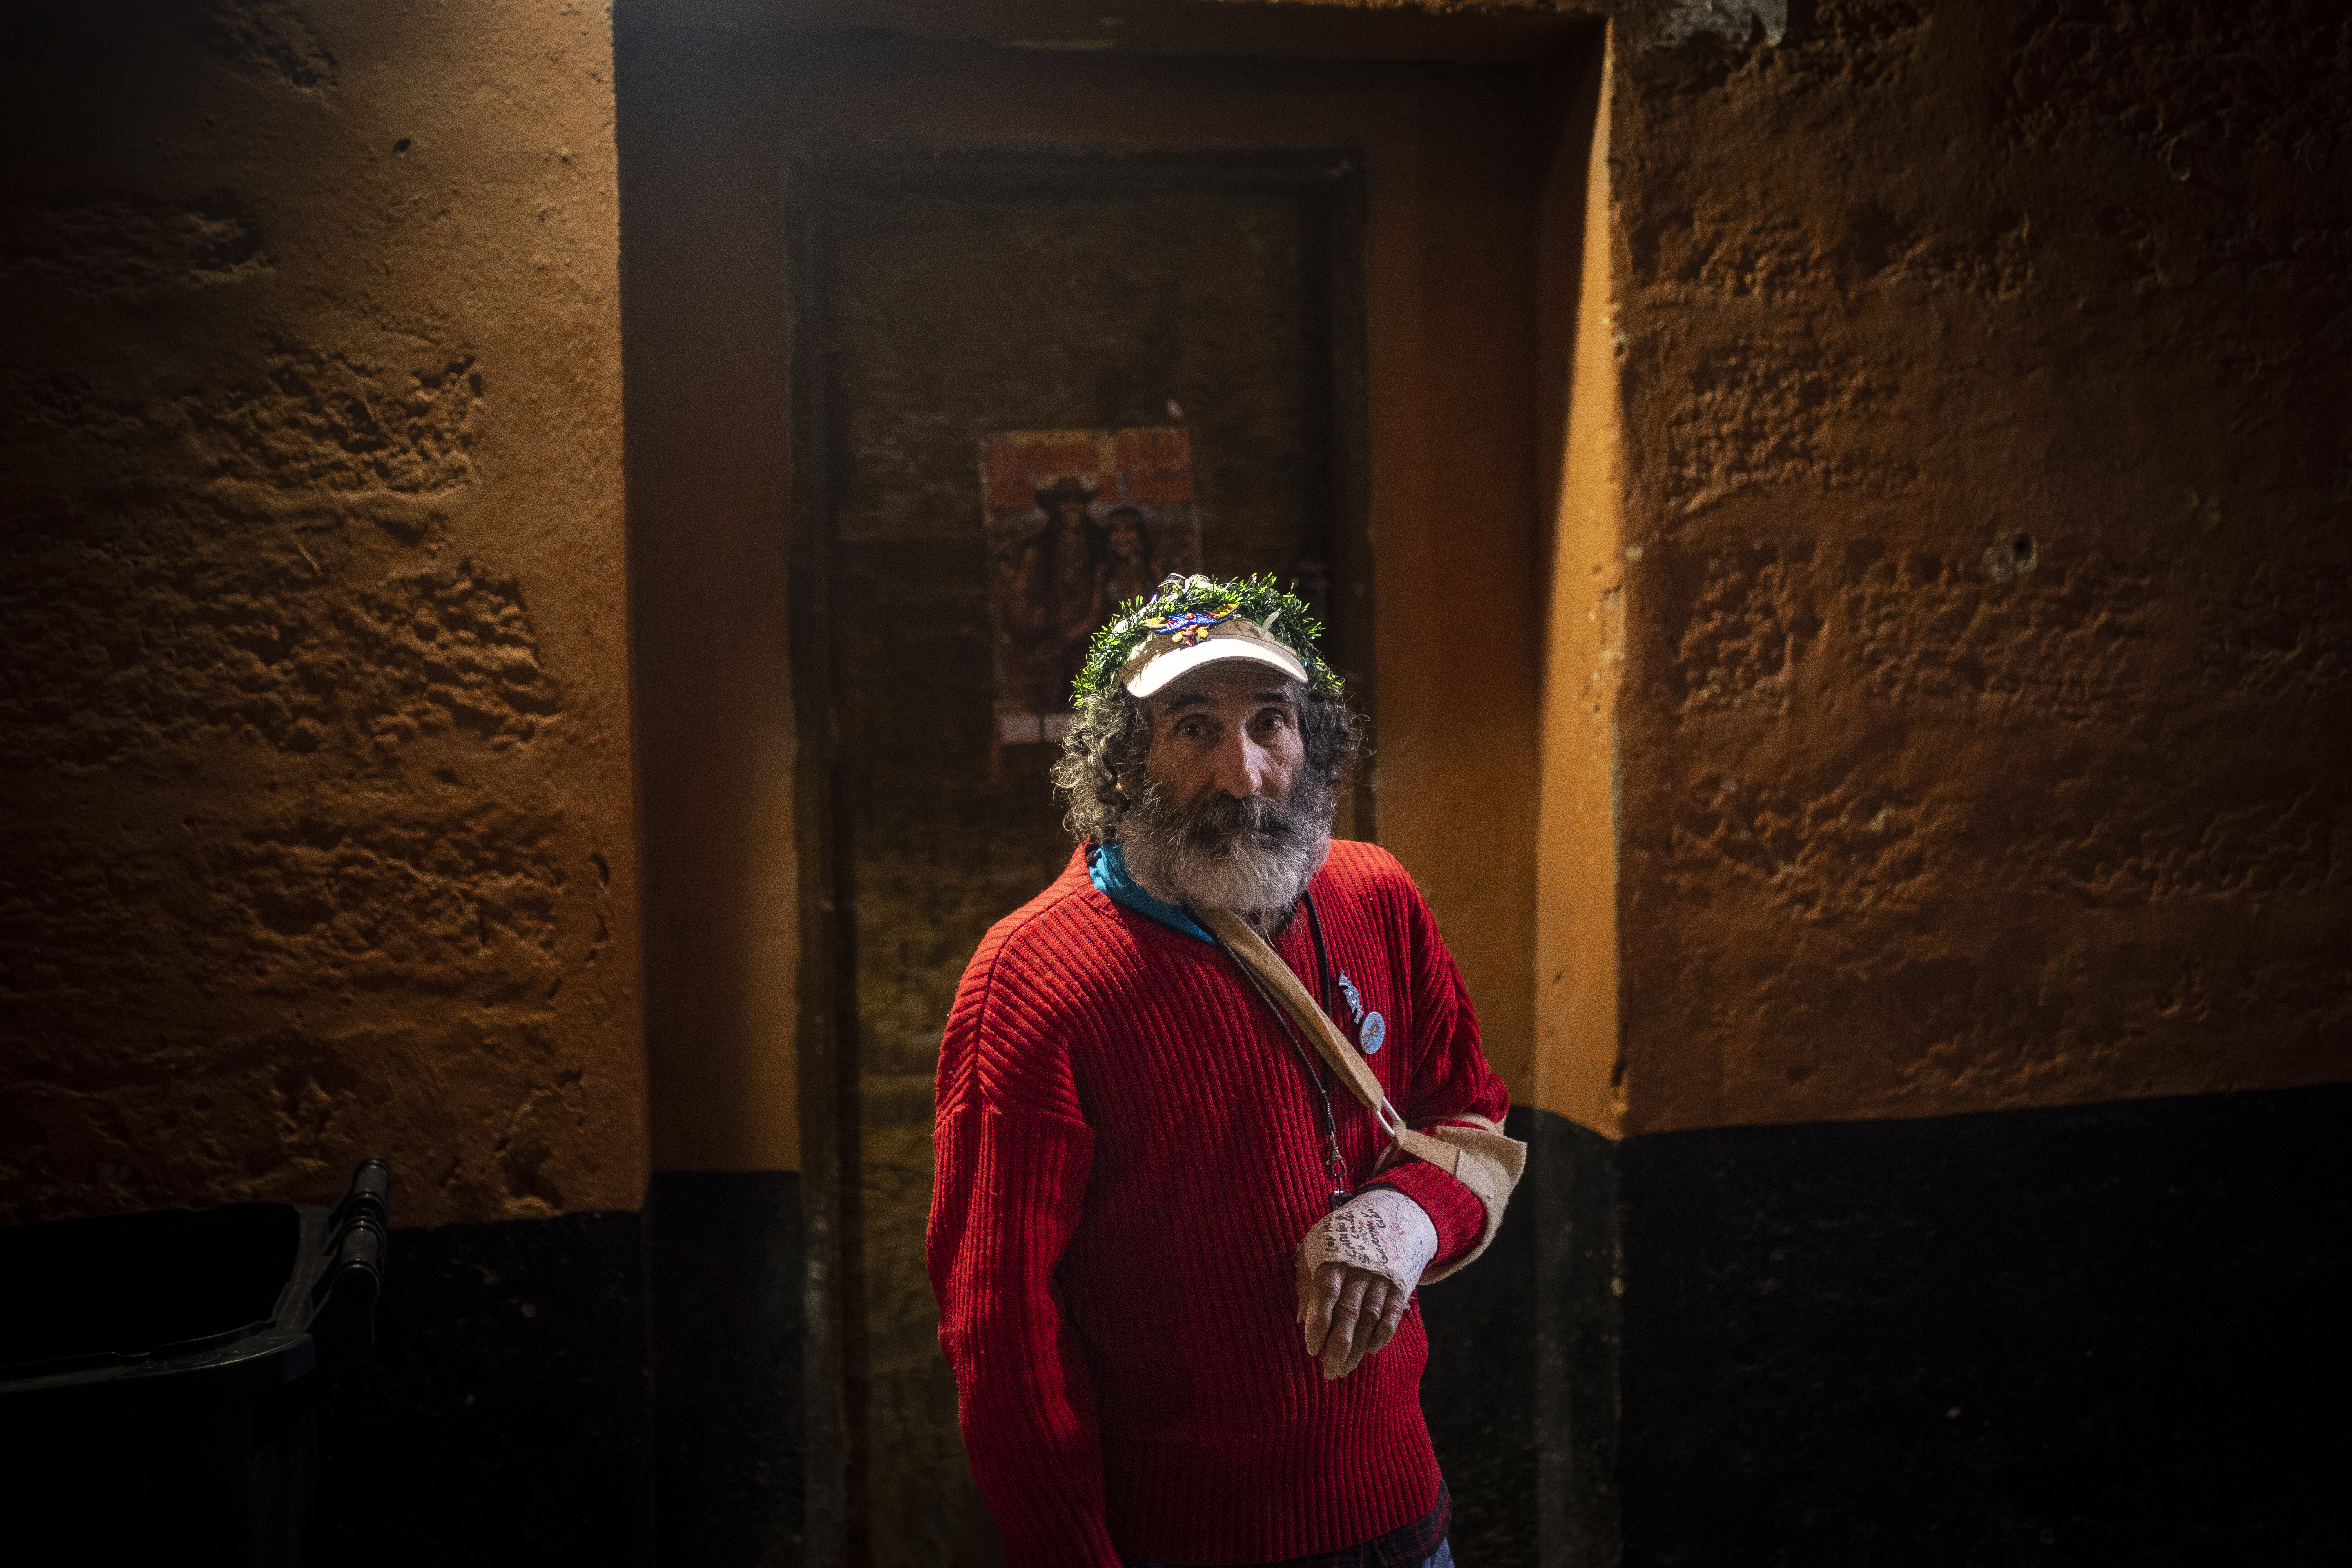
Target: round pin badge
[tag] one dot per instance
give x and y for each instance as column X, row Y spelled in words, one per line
column 1375, row 1032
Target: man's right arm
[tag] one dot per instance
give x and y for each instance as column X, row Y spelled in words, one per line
column 1012, row 1153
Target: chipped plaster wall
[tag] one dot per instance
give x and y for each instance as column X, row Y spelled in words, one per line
column 314, row 731
column 1986, row 685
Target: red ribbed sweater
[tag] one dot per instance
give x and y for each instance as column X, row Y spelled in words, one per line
column 1128, row 1157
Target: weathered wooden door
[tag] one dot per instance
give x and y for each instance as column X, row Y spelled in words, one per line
column 943, row 298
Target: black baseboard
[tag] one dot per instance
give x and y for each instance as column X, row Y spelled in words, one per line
column 2109, row 1333
column 1521, row 1389
column 1477, row 1393
column 1580, row 1282
column 2098, row 1334
column 506, row 1414
column 502, row 1417
column 727, row 1266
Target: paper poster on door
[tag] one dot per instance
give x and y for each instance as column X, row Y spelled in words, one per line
column 1079, row 522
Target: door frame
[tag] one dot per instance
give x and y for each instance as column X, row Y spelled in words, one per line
column 829, row 1111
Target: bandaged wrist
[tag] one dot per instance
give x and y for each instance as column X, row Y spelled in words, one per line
column 1381, row 1231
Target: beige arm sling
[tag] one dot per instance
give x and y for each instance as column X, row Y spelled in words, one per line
column 1480, row 1157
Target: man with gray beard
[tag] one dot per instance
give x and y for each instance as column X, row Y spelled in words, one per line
column 1212, row 1107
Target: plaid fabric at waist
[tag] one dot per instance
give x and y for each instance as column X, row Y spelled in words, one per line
column 1406, row 1546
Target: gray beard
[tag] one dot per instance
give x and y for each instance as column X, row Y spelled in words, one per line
column 1251, row 856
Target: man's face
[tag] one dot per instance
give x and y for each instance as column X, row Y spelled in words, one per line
column 1232, row 726
column 1227, row 816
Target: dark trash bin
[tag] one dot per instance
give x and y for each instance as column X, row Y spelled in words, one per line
column 159, row 1376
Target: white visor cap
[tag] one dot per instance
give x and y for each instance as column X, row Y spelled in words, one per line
column 1161, row 659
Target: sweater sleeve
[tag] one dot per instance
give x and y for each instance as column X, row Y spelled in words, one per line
column 1450, row 1079
column 1012, row 1154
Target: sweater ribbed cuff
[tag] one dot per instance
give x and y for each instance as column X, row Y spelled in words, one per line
column 1452, row 1207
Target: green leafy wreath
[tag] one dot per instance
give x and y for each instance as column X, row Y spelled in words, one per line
column 1255, row 598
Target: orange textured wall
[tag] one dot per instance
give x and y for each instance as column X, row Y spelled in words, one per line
column 1450, row 307
column 1578, row 1068
column 315, row 739
column 709, row 345
column 1983, row 722
column 316, row 734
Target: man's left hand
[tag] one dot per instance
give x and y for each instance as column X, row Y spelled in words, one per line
column 1356, row 1268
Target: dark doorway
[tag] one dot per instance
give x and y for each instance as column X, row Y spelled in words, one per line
column 942, row 298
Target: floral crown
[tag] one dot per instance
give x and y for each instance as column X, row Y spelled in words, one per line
column 1184, row 611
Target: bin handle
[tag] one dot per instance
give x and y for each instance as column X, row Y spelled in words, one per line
column 358, row 1272
column 370, row 1195
column 358, row 1243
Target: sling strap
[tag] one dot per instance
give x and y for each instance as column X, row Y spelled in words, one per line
column 1477, row 1156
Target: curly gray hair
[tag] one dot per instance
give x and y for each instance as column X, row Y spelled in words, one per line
column 1113, row 733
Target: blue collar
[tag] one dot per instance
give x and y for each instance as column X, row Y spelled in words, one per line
column 1106, row 865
